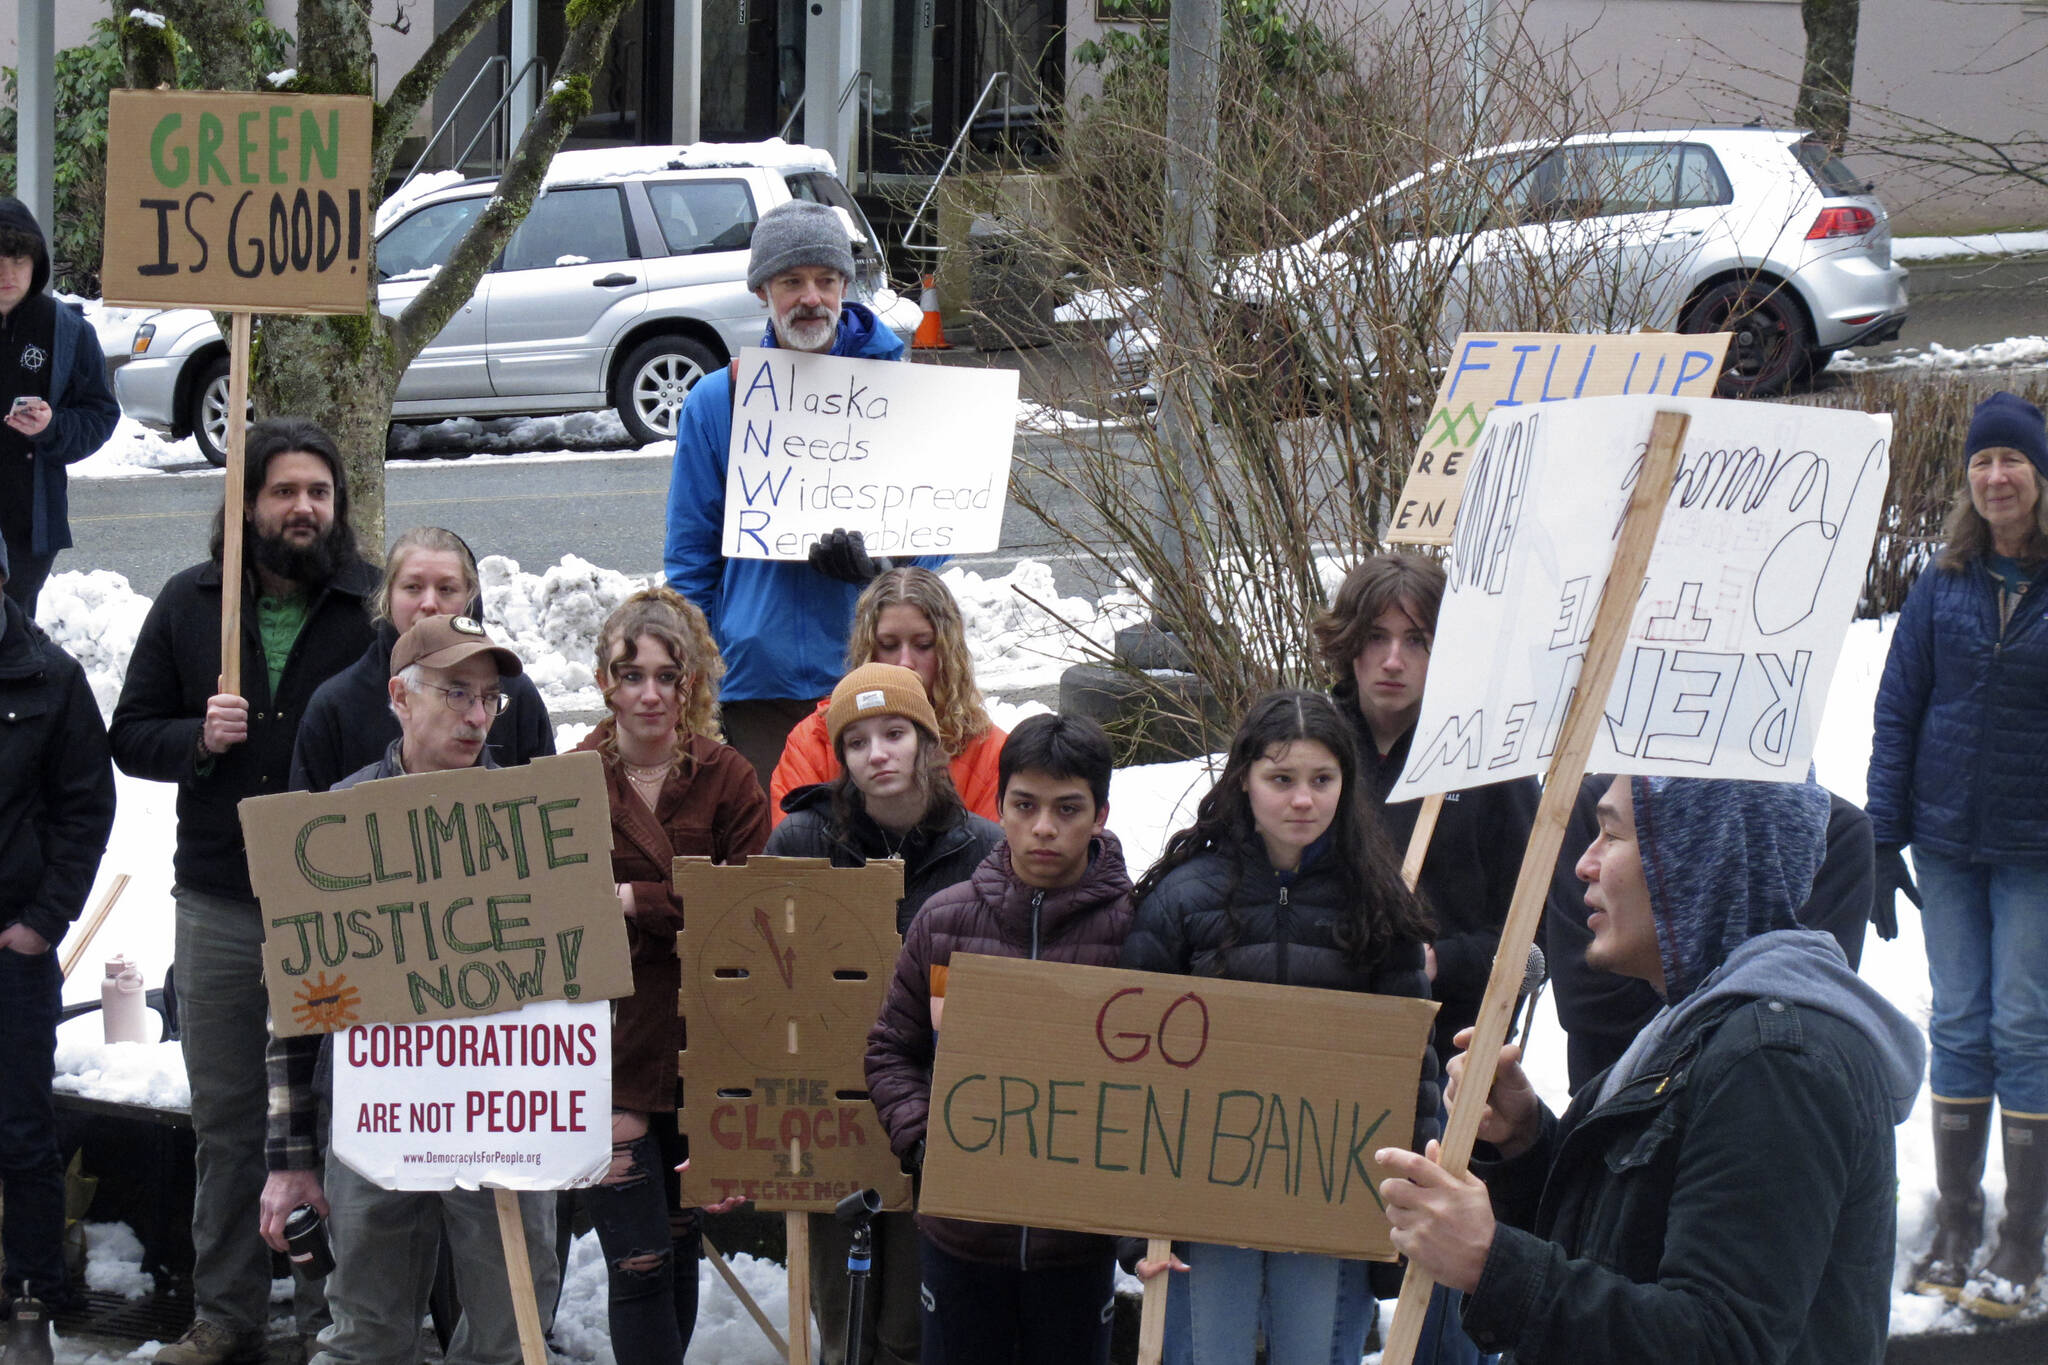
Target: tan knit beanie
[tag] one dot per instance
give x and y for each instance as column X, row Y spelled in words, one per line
column 878, row 690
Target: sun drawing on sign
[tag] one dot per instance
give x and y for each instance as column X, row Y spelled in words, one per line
column 325, row 1006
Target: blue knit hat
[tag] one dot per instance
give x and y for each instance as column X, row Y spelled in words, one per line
column 2006, row 419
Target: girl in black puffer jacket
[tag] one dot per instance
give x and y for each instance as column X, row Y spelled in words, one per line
column 1283, row 878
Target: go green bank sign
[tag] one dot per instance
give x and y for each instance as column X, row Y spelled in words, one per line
column 241, row 201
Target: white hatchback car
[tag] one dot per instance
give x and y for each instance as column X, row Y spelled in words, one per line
column 625, row 284
column 1760, row 232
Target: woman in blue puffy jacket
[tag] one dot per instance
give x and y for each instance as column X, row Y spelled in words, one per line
column 1959, row 770
column 1283, row 878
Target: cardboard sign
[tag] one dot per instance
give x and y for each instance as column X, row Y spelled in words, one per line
column 914, row 457
column 522, row 1100
column 238, row 200
column 1169, row 1106
column 1750, row 589
column 786, row 962
column 437, row 896
column 1514, row 369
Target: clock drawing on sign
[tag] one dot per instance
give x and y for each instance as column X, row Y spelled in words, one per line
column 778, row 975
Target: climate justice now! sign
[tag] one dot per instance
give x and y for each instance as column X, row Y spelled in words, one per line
column 437, row 895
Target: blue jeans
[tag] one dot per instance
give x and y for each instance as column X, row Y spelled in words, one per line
column 1987, row 959
column 32, row 1227
column 1230, row 1289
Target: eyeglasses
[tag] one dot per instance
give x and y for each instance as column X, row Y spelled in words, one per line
column 460, row 699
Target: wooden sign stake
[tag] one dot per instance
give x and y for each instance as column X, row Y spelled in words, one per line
column 797, row 1237
column 231, row 520
column 1560, row 792
column 1419, row 837
column 732, row 1282
column 533, row 1344
column 1152, row 1317
column 75, row 949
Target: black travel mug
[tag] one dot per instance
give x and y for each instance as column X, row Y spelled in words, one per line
column 305, row 1235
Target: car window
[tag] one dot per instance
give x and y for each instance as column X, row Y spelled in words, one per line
column 422, row 240
column 1628, row 177
column 822, row 188
column 570, row 227
column 1701, row 181
column 1829, row 171
column 1453, row 201
column 703, row 215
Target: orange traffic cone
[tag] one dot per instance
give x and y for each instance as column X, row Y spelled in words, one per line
column 930, row 336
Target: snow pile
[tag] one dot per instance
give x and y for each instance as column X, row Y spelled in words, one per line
column 135, row 450
column 572, row 433
column 551, row 621
column 95, row 618
column 1023, row 633
column 151, row 1074
column 113, row 1261
column 726, row 1333
column 1977, row 244
column 1991, row 355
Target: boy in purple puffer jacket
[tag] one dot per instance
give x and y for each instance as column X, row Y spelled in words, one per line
column 1054, row 890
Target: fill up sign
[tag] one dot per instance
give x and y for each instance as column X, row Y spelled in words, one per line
column 240, row 201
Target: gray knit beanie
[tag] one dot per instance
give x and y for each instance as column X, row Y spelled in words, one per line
column 795, row 234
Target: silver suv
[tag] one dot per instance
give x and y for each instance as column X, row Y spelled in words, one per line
column 1760, row 232
column 624, row 285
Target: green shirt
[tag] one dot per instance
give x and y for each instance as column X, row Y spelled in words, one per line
column 278, row 623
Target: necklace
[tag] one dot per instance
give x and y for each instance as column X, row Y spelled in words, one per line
column 647, row 780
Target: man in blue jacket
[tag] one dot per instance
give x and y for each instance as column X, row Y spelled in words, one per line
column 55, row 407
column 1726, row 1193
column 782, row 626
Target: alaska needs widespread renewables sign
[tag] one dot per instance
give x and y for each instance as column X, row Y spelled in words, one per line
column 1169, row 1106
column 1734, row 638
column 914, row 457
column 243, row 201
column 437, row 896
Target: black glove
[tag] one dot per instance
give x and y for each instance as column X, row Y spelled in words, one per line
column 843, row 555
column 1892, row 878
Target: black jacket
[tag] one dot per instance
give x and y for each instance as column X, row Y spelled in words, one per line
column 175, row 668
column 348, row 723
column 932, row 859
column 1601, row 1013
column 56, row 785
column 1734, row 1204
column 1285, row 936
column 1468, row 879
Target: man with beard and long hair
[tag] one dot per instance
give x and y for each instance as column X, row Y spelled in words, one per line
column 780, row 625
column 304, row 618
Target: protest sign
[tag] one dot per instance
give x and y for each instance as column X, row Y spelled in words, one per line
column 1731, row 646
column 1515, row 369
column 1169, row 1106
column 785, row 964
column 521, row 1100
column 238, row 200
column 914, row 457
column 438, row 895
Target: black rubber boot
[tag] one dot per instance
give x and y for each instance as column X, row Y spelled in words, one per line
column 1962, row 1135
column 2007, row 1281
column 28, row 1334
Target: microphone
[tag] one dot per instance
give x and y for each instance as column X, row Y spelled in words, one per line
column 1533, row 977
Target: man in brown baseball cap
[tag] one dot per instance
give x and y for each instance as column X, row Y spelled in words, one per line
column 445, row 675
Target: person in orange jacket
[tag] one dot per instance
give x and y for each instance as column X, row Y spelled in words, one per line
column 908, row 617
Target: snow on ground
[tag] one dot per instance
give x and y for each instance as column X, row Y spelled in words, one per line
column 1977, row 244
column 134, row 450
column 2011, row 353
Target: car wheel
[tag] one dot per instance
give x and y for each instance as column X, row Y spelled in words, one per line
column 207, row 411
column 1772, row 341
column 651, row 385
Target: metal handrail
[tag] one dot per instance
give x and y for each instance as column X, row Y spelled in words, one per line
column 867, row 166
column 966, row 126
column 496, row 62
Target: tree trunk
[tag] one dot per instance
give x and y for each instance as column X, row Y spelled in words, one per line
column 1830, row 74
column 218, row 31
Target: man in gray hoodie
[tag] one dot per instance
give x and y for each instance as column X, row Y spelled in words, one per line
column 1726, row 1191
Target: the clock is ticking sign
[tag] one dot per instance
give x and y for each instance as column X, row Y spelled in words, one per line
column 785, row 962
